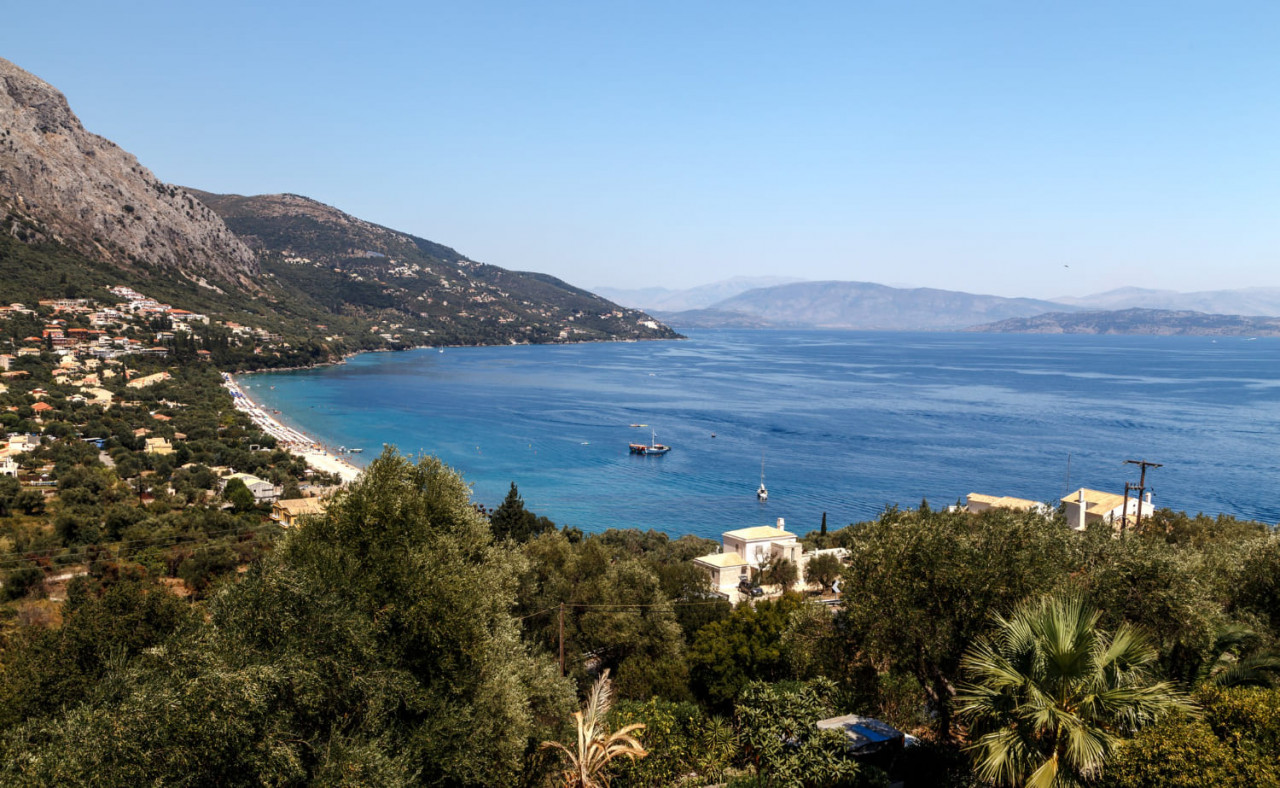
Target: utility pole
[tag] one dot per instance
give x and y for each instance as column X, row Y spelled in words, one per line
column 1142, row 485
column 1124, row 513
column 562, row 638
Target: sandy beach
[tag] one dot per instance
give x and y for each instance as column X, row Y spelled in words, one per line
column 290, row 439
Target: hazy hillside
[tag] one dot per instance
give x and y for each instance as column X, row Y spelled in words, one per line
column 357, row 268
column 1247, row 301
column 668, row 300
column 1137, row 321
column 867, row 306
column 713, row 318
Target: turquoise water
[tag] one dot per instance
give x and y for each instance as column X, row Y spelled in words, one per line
column 847, row 422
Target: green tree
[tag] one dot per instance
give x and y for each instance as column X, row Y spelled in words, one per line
column 780, row 572
column 1162, row 588
column 615, row 610
column 928, row 583
column 780, row 737
column 512, row 521
column 746, row 646
column 1233, row 743
column 1184, row 753
column 239, row 495
column 9, row 489
column 1050, row 694
column 824, row 569
column 376, row 645
column 47, row 670
column 29, row 502
column 682, row 741
column 1256, row 590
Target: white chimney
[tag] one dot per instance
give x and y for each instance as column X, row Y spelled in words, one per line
column 1080, row 503
column 782, row 523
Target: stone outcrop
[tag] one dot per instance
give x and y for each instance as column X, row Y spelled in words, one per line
column 61, row 183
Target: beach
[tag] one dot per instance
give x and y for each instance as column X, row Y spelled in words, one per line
column 293, row 441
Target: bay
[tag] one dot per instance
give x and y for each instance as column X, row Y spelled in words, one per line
column 847, row 422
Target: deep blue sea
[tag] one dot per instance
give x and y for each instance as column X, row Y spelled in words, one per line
column 847, row 422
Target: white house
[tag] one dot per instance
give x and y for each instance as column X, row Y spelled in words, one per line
column 1085, row 506
column 8, row 467
column 746, row 551
column 263, row 491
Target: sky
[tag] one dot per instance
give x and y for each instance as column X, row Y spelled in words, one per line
column 1012, row 148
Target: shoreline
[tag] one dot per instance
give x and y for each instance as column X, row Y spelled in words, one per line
column 353, row 353
column 290, row 439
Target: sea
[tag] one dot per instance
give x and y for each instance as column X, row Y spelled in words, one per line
column 841, row 424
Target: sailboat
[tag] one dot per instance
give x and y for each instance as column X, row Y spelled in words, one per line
column 762, row 494
column 654, row 447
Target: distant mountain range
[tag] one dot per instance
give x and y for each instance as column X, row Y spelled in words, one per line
column 1250, row 301
column 868, row 306
column 1160, row 322
column 663, row 299
column 864, row 306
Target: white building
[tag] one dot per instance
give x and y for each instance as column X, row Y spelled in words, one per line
column 746, row 551
column 1085, row 506
column 263, row 491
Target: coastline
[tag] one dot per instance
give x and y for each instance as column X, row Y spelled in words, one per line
column 291, row 440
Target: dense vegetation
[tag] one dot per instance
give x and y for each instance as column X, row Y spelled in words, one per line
column 397, row 641
column 156, row 628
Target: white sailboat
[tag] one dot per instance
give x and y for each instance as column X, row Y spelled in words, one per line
column 762, row 494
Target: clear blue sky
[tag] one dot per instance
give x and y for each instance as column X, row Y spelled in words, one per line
column 979, row 146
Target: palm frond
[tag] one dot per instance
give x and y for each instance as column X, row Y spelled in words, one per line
column 586, row 764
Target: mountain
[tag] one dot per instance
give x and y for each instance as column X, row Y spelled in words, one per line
column 60, row 183
column 701, row 297
column 79, row 215
column 1248, row 301
column 712, row 318
column 1161, row 322
column 352, row 267
column 867, row 306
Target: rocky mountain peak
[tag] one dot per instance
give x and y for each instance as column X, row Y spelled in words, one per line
column 59, row 182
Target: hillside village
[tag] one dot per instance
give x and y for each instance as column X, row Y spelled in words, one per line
column 99, row 415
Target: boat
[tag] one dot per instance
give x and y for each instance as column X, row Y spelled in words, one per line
column 762, row 494
column 639, row 425
column 355, row 451
column 654, row 448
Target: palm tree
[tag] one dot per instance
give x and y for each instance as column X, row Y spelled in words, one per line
column 1050, row 694
column 596, row 747
column 1237, row 659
